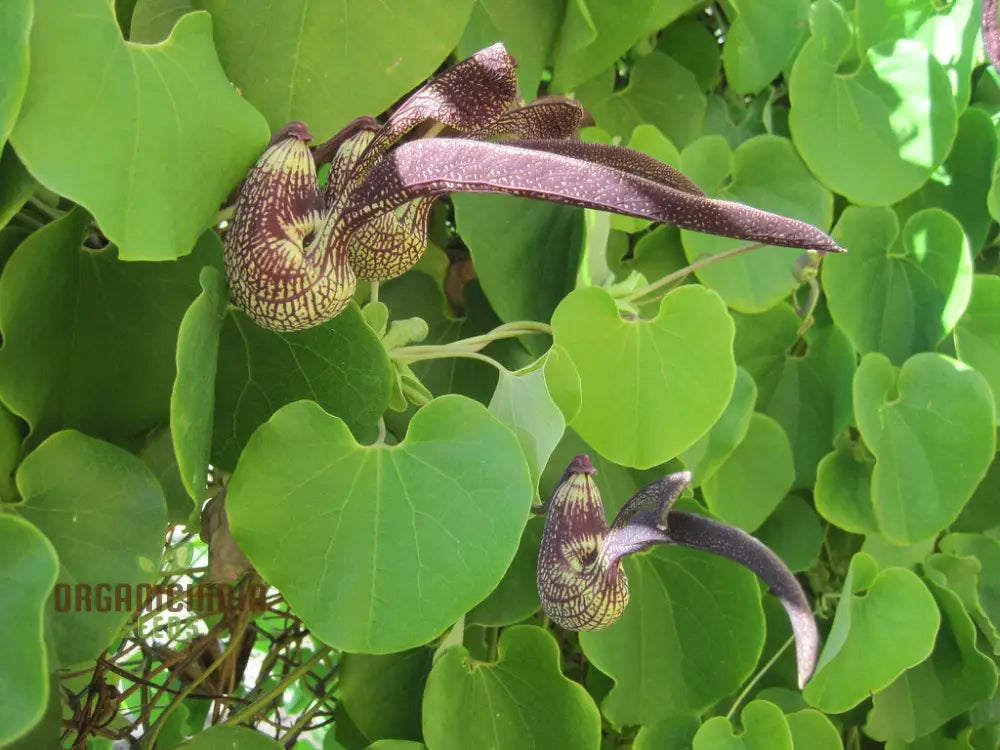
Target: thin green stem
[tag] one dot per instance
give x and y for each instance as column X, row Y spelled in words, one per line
column 707, row 260
column 224, row 214
column 373, row 292
column 45, row 208
column 247, row 712
column 31, row 221
column 454, row 353
column 293, row 732
column 154, row 730
column 757, row 677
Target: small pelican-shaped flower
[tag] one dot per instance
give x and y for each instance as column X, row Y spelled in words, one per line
column 582, row 584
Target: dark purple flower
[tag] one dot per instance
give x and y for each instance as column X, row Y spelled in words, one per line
column 293, row 256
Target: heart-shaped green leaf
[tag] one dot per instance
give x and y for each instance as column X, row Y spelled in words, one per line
column 764, row 728
column 522, row 700
column 930, row 427
column 955, row 678
column 977, row 335
column 66, row 361
column 898, row 294
column 29, row 567
column 754, row 478
column 886, row 622
column 896, row 111
column 691, row 634
column 650, row 388
column 104, row 513
column 843, row 490
column 168, row 104
column 969, row 564
column 402, row 540
column 766, row 173
column 16, row 186
column 341, row 365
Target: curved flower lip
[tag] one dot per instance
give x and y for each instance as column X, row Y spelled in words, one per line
column 374, row 213
column 592, row 596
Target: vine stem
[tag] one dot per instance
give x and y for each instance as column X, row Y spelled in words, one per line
column 457, row 353
column 757, row 677
column 468, row 346
column 45, row 208
column 279, row 688
column 293, row 732
column 707, row 260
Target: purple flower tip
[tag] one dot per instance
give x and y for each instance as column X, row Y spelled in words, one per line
column 581, row 465
column 295, row 129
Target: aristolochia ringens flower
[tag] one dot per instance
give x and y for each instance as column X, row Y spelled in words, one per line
column 581, row 581
column 294, row 254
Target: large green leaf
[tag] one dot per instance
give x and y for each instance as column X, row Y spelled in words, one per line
column 29, row 566
column 522, row 700
column 691, row 634
column 526, row 252
column 326, row 63
column 766, row 173
column 399, row 541
column 192, row 397
column 953, row 679
column 960, row 186
column 930, row 427
column 948, row 30
column 341, row 365
column 516, row 596
column 898, row 293
column 808, row 394
column 169, row 104
column 977, row 334
column 794, row 532
column 104, row 513
column 755, row 477
column 15, row 27
column 886, row 622
column 893, row 119
column 762, row 41
column 705, row 457
column 522, row 402
column 88, row 339
column 596, row 32
column 678, row 116
column 650, row 388
column 527, row 28
column 382, row 693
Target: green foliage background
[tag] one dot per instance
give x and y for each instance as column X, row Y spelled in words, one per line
column 843, row 412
